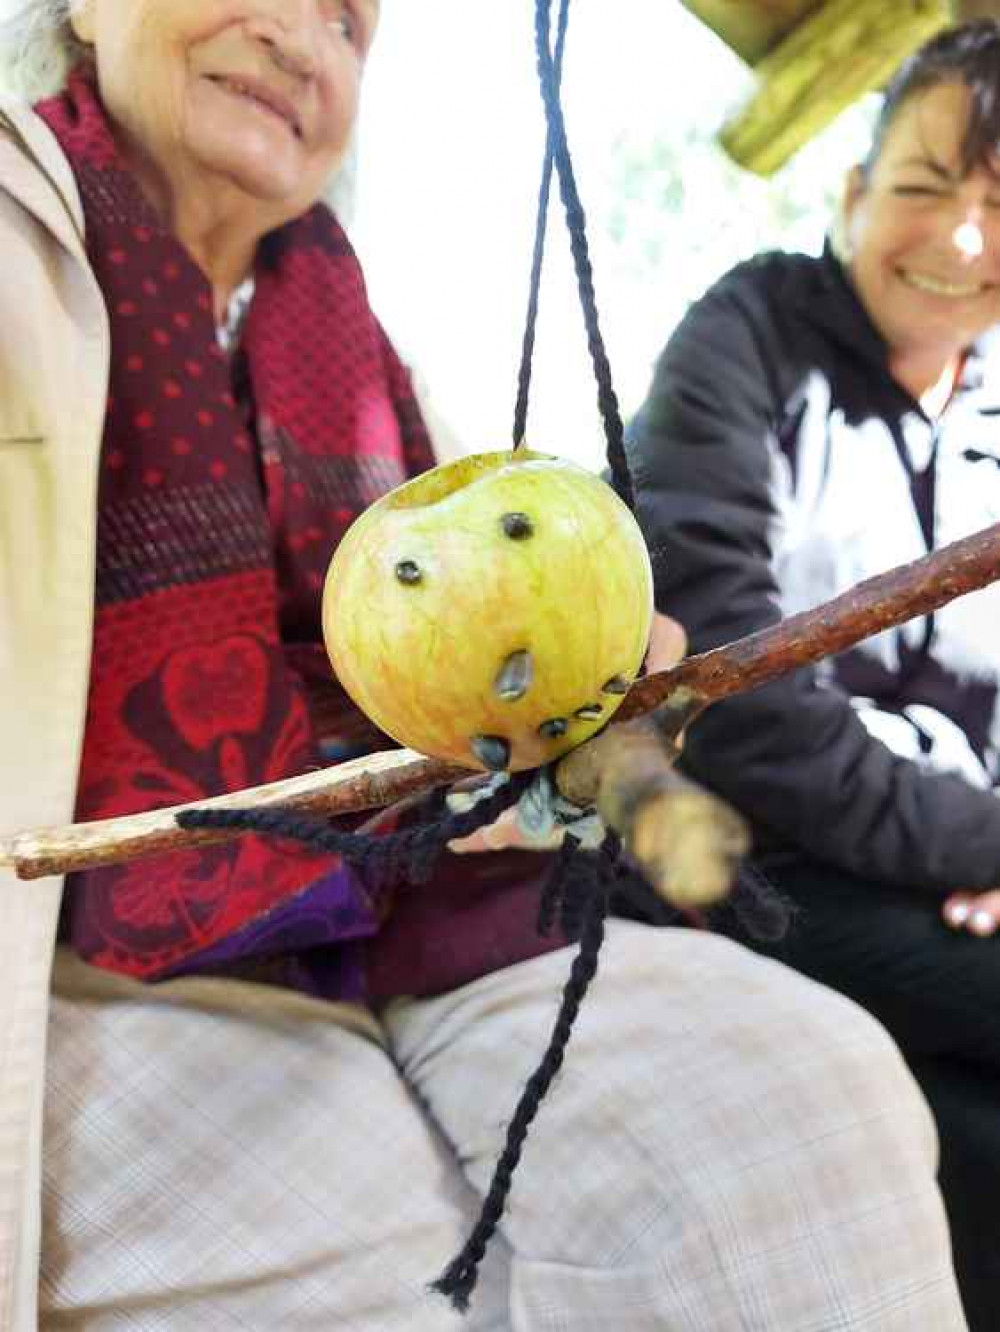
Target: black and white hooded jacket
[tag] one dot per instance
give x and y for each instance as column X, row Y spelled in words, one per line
column 776, row 463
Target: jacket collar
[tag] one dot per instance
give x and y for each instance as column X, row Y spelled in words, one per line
column 831, row 304
column 35, row 172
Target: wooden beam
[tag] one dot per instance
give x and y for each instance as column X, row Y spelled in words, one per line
column 751, row 28
column 836, row 54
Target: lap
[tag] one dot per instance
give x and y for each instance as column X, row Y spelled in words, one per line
column 936, row 990
column 224, row 1155
column 727, row 1144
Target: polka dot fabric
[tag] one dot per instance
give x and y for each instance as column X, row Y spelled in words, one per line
column 224, row 490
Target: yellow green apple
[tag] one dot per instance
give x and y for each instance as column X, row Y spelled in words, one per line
column 493, row 611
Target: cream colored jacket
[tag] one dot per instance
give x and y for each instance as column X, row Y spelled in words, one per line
column 54, row 354
column 54, row 361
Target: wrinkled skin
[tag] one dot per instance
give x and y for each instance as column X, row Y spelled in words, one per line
column 224, row 166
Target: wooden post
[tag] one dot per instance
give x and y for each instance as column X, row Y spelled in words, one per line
column 751, row 28
column 827, row 61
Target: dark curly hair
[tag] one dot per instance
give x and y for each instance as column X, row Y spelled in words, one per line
column 967, row 54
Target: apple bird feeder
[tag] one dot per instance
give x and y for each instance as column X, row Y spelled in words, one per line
column 493, row 612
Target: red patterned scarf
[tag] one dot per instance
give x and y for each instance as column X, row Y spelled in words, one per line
column 224, row 489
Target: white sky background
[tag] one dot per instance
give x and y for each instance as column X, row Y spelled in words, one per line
column 450, row 159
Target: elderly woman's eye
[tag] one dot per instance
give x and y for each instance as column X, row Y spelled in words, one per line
column 345, row 25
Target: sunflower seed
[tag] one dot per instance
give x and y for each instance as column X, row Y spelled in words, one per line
column 589, row 712
column 517, row 526
column 514, row 679
column 408, row 571
column 492, row 751
column 554, row 728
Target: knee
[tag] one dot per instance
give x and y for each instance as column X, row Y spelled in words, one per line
column 740, row 1045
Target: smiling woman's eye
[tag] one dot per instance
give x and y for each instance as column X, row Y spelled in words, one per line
column 916, row 191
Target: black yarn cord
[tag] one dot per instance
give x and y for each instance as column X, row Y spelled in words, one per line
column 576, row 223
column 459, row 1278
column 534, row 286
column 411, row 853
column 553, row 894
column 763, row 913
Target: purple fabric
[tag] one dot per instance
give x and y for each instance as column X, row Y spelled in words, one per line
column 291, row 944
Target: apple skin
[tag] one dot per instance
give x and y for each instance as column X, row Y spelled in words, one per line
column 441, row 582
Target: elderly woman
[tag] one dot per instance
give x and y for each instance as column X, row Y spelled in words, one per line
column 813, row 422
column 195, row 399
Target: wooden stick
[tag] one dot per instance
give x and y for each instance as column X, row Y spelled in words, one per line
column 879, row 603
column 677, row 696
column 364, row 783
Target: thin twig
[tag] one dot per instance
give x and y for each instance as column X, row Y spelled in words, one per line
column 364, row 783
column 879, row 603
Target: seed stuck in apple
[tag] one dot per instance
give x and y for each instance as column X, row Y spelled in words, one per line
column 493, row 611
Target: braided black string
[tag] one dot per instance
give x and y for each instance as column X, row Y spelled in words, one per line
column 459, row 1278
column 411, row 853
column 762, row 913
column 534, row 286
column 554, row 888
column 576, row 223
column 635, row 898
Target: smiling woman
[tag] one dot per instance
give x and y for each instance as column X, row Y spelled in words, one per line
column 238, row 126
column 922, row 225
column 231, row 129
column 812, row 423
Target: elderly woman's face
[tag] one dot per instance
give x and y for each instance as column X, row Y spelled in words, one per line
column 257, row 94
column 923, row 240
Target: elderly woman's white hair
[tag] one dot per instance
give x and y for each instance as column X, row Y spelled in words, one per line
column 38, row 49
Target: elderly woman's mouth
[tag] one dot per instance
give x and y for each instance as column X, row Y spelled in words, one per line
column 258, row 95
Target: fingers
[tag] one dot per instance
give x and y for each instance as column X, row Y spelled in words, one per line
column 667, row 643
column 503, row 835
column 490, row 838
column 956, row 910
column 975, row 913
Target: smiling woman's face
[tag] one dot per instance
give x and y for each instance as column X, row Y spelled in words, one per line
column 254, row 95
column 924, row 239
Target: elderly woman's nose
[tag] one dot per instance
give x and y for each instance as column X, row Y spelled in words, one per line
column 290, row 36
